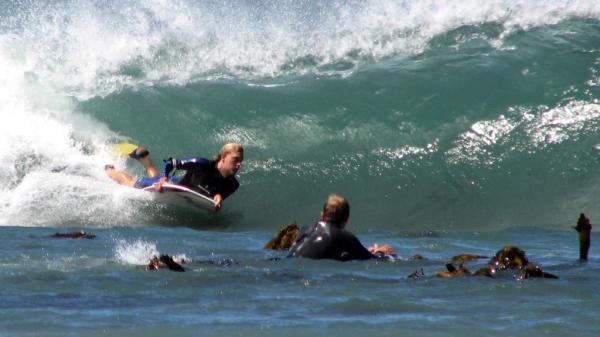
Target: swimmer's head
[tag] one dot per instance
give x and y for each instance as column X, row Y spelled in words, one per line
column 229, row 159
column 229, row 148
column 336, row 210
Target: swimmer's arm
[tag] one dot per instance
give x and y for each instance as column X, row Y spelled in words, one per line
column 355, row 249
column 172, row 164
column 187, row 163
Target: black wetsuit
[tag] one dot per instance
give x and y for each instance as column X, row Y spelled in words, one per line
column 324, row 240
column 201, row 175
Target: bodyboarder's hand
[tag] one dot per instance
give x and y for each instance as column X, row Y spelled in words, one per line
column 159, row 185
column 386, row 250
column 218, row 199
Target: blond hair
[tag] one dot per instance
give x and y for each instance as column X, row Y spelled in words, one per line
column 336, row 209
column 229, row 148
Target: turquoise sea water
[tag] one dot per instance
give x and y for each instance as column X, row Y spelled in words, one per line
column 450, row 127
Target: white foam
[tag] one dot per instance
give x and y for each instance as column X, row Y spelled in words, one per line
column 138, row 252
column 53, row 157
column 93, row 48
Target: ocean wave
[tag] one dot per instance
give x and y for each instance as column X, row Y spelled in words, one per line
column 424, row 104
column 95, row 48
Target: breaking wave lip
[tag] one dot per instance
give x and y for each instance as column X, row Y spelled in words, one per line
column 96, row 48
column 54, row 157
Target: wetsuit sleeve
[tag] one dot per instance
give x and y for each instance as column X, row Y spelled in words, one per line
column 354, row 250
column 297, row 245
column 228, row 188
column 172, row 164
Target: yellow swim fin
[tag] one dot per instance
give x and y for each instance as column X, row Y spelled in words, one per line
column 123, row 148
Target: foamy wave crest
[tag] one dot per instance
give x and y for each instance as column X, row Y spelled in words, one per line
column 91, row 48
column 53, row 157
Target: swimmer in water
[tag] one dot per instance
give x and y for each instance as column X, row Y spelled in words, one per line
column 328, row 238
column 215, row 178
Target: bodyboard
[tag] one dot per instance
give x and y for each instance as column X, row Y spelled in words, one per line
column 182, row 197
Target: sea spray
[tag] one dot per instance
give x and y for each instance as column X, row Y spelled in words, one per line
column 138, row 252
